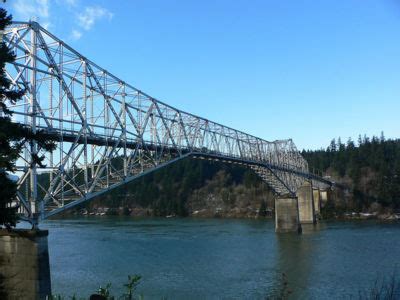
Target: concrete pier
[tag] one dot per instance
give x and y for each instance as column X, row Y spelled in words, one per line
column 324, row 196
column 306, row 203
column 287, row 215
column 317, row 201
column 24, row 264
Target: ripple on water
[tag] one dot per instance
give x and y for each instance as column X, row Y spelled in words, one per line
column 228, row 259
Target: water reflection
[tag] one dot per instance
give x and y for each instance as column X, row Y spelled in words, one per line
column 295, row 262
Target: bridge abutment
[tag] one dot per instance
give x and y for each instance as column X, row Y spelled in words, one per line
column 24, row 264
column 287, row 214
column 306, row 203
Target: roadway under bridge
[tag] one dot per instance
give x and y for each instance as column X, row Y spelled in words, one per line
column 109, row 133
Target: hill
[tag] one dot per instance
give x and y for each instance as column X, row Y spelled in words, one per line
column 191, row 187
column 370, row 168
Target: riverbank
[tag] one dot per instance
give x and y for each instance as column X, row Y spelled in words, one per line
column 369, row 216
column 219, row 212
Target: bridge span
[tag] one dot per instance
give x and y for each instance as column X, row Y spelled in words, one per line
column 109, row 133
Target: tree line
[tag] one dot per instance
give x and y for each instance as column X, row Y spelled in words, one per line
column 168, row 190
column 369, row 166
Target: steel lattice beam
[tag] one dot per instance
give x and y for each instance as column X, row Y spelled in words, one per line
column 109, row 133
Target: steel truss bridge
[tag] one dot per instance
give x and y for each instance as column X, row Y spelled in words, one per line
column 109, row 133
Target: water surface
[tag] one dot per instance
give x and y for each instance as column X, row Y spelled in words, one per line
column 219, row 259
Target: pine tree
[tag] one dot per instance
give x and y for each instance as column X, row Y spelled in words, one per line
column 360, row 141
column 371, row 169
column 350, row 144
column 340, row 145
column 365, row 139
column 332, row 146
column 12, row 135
column 382, row 138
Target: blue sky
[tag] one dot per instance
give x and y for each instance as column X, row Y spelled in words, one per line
column 307, row 70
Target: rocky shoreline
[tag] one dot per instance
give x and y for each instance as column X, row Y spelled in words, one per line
column 233, row 213
column 371, row 216
column 239, row 213
column 245, row 213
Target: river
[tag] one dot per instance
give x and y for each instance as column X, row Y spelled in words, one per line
column 219, row 258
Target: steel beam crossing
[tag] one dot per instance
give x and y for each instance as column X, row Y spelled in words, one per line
column 109, row 133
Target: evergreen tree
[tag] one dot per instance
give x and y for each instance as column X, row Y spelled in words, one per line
column 371, row 169
column 332, row 146
column 341, row 146
column 350, row 144
column 382, row 138
column 360, row 141
column 366, row 139
column 12, row 136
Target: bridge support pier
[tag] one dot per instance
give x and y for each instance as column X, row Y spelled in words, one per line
column 317, row 201
column 306, row 203
column 324, row 196
column 24, row 264
column 287, row 215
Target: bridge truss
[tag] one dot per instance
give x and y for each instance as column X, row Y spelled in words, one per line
column 109, row 133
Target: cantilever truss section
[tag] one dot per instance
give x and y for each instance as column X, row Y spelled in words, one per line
column 109, row 133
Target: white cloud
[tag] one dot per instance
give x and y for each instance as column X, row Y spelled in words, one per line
column 32, row 9
column 52, row 13
column 91, row 14
column 76, row 35
column 43, row 8
column 67, row 3
column 71, row 2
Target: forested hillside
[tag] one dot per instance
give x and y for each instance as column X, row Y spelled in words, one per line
column 191, row 187
column 370, row 167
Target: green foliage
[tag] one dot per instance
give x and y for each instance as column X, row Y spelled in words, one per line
column 130, row 286
column 329, row 211
column 105, row 291
column 8, row 152
column 133, row 282
column 262, row 212
column 167, row 190
column 385, row 288
column 60, row 297
column 372, row 169
column 126, row 211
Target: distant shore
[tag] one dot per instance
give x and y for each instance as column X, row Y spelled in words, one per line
column 236, row 213
column 367, row 216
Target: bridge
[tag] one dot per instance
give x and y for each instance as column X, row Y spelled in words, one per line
column 109, row 133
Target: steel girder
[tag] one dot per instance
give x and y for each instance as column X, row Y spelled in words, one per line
column 109, row 132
